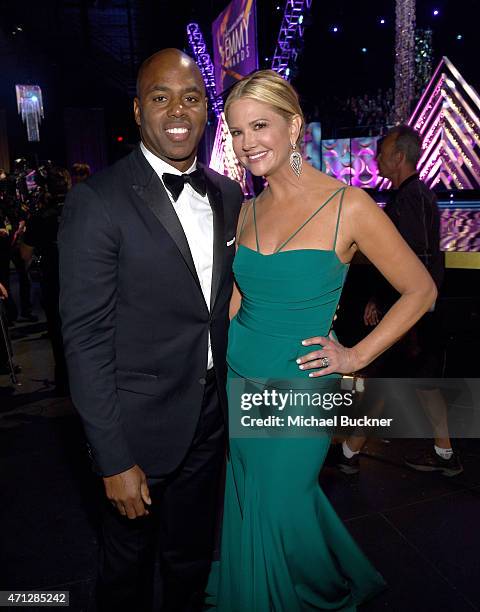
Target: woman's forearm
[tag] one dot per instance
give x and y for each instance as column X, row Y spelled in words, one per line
column 406, row 311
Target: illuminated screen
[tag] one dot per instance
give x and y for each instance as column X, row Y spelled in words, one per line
column 460, row 228
column 351, row 160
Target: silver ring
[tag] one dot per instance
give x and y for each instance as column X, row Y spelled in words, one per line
column 325, row 362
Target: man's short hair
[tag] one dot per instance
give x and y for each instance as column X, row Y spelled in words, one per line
column 407, row 141
column 81, row 170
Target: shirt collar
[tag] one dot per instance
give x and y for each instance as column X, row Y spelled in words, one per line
column 160, row 166
column 408, row 180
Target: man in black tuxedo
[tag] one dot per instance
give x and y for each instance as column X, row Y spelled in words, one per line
column 146, row 250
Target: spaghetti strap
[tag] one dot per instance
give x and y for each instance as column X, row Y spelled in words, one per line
column 338, row 218
column 243, row 223
column 255, row 224
column 307, row 221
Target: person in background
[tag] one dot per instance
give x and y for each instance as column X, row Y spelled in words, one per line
column 415, row 214
column 41, row 237
column 24, row 283
column 80, row 172
column 4, row 341
column 5, row 251
column 13, row 218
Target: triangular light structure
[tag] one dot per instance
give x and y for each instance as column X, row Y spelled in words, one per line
column 448, row 119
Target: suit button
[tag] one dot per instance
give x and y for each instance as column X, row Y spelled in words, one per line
column 202, row 381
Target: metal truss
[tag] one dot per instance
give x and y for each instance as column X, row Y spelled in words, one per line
column 291, row 32
column 204, row 62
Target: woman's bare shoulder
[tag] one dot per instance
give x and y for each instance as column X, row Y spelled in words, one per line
column 357, row 201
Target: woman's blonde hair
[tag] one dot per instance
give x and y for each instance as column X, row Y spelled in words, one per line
column 268, row 87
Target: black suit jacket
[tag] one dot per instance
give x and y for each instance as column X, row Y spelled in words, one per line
column 135, row 322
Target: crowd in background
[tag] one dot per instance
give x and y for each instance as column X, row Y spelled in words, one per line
column 366, row 115
column 31, row 201
column 372, row 110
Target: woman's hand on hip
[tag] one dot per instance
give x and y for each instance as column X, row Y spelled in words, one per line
column 332, row 357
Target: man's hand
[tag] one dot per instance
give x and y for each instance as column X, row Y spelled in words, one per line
column 3, row 292
column 128, row 492
column 372, row 314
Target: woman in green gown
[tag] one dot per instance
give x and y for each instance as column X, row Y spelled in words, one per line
column 283, row 548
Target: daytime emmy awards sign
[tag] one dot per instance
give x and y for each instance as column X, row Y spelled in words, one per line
column 235, row 43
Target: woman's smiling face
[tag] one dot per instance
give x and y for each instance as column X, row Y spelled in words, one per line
column 261, row 137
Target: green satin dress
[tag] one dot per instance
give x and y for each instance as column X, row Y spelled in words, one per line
column 283, row 547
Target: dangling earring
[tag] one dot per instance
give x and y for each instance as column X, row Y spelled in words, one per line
column 296, row 161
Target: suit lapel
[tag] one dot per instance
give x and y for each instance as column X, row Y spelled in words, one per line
column 155, row 196
column 216, row 202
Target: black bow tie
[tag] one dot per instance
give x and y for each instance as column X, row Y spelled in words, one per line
column 176, row 182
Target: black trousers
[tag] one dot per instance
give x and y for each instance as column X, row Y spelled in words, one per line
column 50, row 302
column 418, row 354
column 179, row 532
column 24, row 284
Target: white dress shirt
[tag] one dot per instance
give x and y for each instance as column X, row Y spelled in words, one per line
column 195, row 214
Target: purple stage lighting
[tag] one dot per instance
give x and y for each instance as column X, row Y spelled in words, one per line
column 204, row 62
column 448, row 119
column 223, row 159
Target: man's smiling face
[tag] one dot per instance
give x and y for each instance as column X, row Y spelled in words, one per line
column 171, row 107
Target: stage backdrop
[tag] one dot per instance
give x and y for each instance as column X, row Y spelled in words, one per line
column 234, row 37
column 351, row 160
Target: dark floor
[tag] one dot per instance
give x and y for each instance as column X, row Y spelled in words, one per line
column 420, row 530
